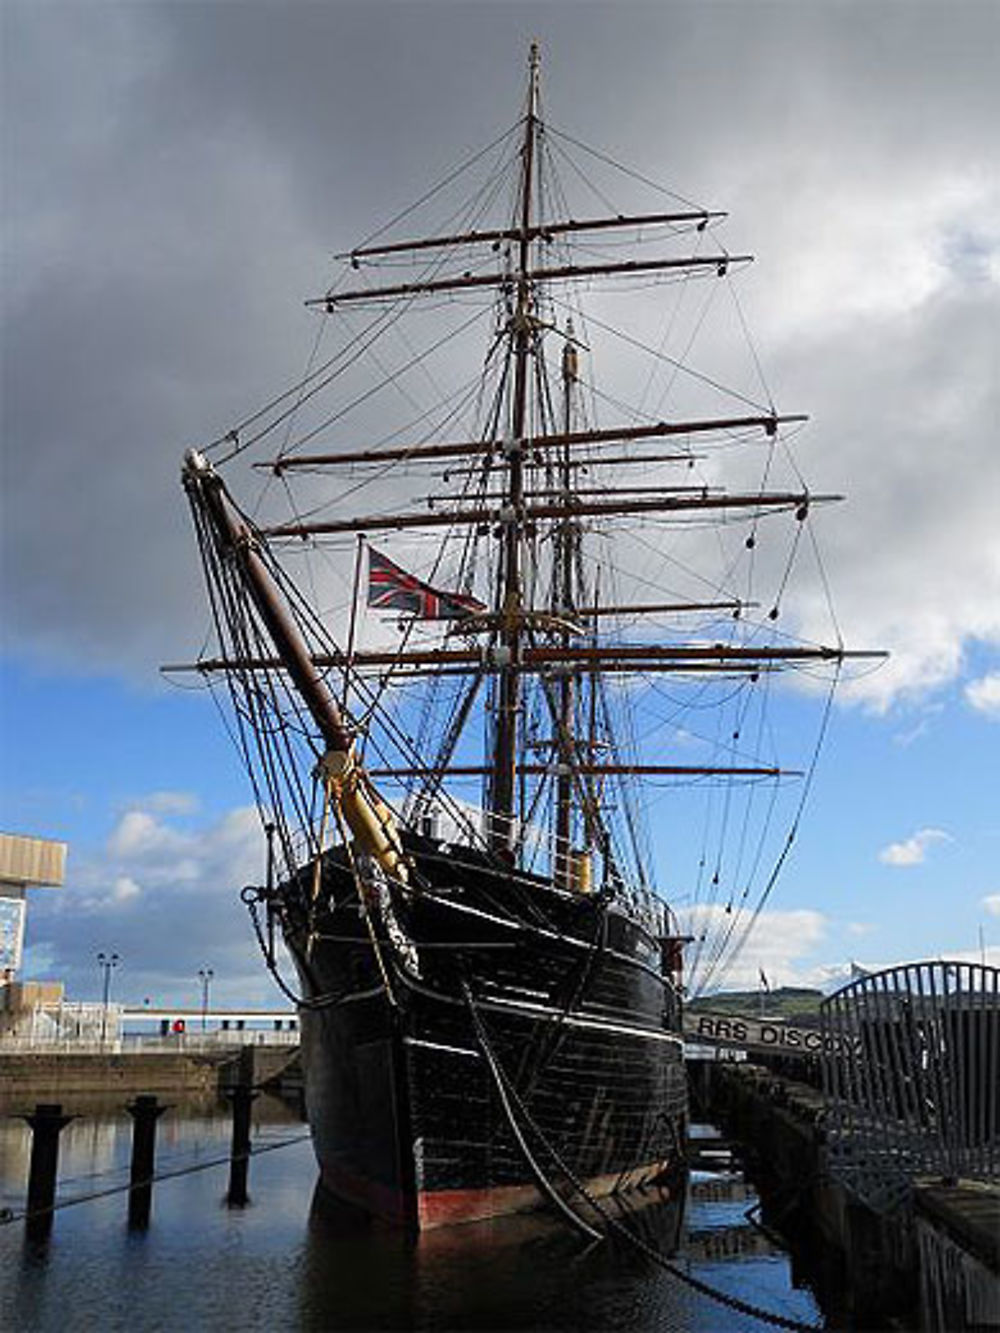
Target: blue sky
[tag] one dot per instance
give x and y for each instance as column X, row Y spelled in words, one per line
column 175, row 179
column 84, row 756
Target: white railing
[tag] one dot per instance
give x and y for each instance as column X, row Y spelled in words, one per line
column 19, row 1045
column 70, row 1025
column 85, row 1027
column 215, row 1040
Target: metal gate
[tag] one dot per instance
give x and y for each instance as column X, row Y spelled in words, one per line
column 912, row 1078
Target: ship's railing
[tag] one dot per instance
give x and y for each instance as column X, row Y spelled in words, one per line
column 913, row 1081
column 646, row 907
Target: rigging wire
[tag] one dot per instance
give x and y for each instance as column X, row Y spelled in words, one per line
column 628, row 171
column 267, row 708
column 670, row 361
column 441, row 185
column 727, row 965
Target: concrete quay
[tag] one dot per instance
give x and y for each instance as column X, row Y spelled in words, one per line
column 931, row 1263
column 73, row 1076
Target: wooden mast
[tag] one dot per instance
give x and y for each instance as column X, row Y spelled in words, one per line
column 566, row 550
column 503, row 785
column 518, row 640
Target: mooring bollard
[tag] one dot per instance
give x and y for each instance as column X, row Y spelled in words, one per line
column 145, row 1111
column 47, row 1123
column 242, row 1097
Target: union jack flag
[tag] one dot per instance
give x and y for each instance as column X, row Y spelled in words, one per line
column 392, row 589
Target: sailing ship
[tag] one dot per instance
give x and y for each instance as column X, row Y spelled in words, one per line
column 437, row 699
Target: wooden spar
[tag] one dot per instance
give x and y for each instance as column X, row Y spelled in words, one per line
column 769, row 423
column 682, row 657
column 370, row 822
column 487, row 496
column 237, row 542
column 625, row 268
column 605, row 460
column 659, row 608
column 407, row 670
column 514, row 515
column 390, row 675
column 541, row 232
column 594, row 770
column 544, row 619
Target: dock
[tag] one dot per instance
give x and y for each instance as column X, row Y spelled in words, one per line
column 880, row 1149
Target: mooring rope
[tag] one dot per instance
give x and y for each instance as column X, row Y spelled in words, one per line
column 8, row 1215
column 508, row 1095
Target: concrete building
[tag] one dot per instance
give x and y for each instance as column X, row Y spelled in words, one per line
column 25, row 863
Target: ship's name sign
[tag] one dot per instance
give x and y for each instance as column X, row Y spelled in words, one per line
column 761, row 1034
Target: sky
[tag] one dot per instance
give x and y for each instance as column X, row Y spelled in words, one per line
column 175, row 178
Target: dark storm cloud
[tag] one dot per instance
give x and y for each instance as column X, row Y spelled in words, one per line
column 177, row 175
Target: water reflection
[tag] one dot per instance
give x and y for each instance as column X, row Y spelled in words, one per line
column 523, row 1272
column 294, row 1260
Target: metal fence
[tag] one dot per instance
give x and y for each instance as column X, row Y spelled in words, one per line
column 913, row 1081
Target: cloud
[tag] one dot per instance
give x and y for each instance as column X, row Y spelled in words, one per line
column 167, row 901
column 125, row 888
column 833, row 976
column 990, row 955
column 913, row 851
column 875, row 309
column 992, row 904
column 165, row 803
column 777, row 943
column 984, row 695
column 139, row 835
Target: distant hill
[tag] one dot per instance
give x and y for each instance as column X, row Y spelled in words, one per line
column 786, row 1002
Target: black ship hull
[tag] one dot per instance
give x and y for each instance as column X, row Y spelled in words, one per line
column 472, row 1045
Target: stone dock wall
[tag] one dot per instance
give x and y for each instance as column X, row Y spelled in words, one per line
column 28, row 1078
column 933, row 1265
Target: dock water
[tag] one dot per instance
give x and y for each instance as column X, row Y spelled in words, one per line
column 291, row 1260
column 762, row 1223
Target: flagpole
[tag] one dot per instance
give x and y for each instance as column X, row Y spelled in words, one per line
column 354, row 618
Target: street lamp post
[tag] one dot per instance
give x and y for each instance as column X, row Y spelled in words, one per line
column 107, row 962
column 205, row 974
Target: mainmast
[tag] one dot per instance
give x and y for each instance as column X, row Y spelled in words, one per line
column 539, row 471
column 503, row 786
